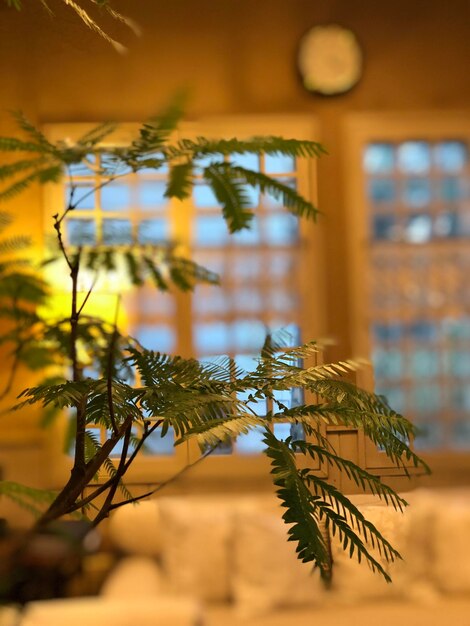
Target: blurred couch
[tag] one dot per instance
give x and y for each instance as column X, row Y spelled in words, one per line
column 225, row 560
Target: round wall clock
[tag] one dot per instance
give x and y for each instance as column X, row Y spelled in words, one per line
column 329, row 60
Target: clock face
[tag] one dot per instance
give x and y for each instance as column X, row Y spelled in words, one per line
column 330, row 60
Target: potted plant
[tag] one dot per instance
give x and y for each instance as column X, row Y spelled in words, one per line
column 197, row 400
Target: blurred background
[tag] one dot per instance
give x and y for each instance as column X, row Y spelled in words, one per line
column 384, row 270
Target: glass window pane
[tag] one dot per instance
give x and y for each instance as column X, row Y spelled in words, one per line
column 248, row 236
column 83, row 196
column 158, row 337
column 248, row 300
column 246, row 266
column 210, row 338
column 210, row 300
column 247, row 362
column 461, row 434
column 116, row 232
column 151, row 194
column 426, row 398
column 154, row 302
column 279, row 163
column 381, row 190
column 450, row 156
column 205, row 161
column 281, row 265
column 282, row 430
column 210, row 230
column 248, row 335
column 153, row 231
column 456, row 328
column 430, row 435
column 251, row 442
column 281, row 229
column 117, row 450
column 417, row 192
column 418, row 229
column 460, row 397
column 287, row 335
column 450, row 189
column 156, row 445
column 247, row 161
column 258, row 406
column 387, row 332
column 395, row 397
column 81, row 232
column 115, row 196
column 273, row 203
column 424, row 363
column 290, row 398
column 387, row 363
column 204, row 197
column 447, row 225
column 214, row 260
column 457, row 362
column 384, row 227
column 423, row 331
column 414, row 157
column 282, row 300
column 379, row 158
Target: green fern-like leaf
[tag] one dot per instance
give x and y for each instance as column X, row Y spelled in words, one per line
column 9, row 169
column 231, row 194
column 30, row 498
column 180, row 181
column 12, row 144
column 301, row 506
column 290, row 199
column 226, row 147
column 49, row 174
column 96, row 135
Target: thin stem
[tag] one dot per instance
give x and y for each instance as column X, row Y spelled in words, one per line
column 117, row 478
column 109, row 373
column 57, row 223
column 109, row 482
column 93, row 284
column 165, row 483
column 92, row 191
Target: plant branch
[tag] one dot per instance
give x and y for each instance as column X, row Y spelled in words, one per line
column 165, row 483
column 99, row 490
column 117, row 479
column 93, row 284
column 57, row 226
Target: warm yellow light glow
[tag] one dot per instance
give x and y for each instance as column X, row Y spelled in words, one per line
column 104, row 306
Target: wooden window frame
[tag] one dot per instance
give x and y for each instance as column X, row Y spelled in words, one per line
column 360, row 129
column 246, row 470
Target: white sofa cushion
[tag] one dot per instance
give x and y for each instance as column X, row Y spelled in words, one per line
column 451, row 543
column 135, row 528
column 196, row 537
column 163, row 611
column 267, row 573
column 354, row 581
column 134, row 577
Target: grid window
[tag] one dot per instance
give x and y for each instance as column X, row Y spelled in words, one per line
column 260, row 288
column 418, row 198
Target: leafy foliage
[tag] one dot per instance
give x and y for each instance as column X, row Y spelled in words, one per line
column 86, row 18
column 134, row 392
